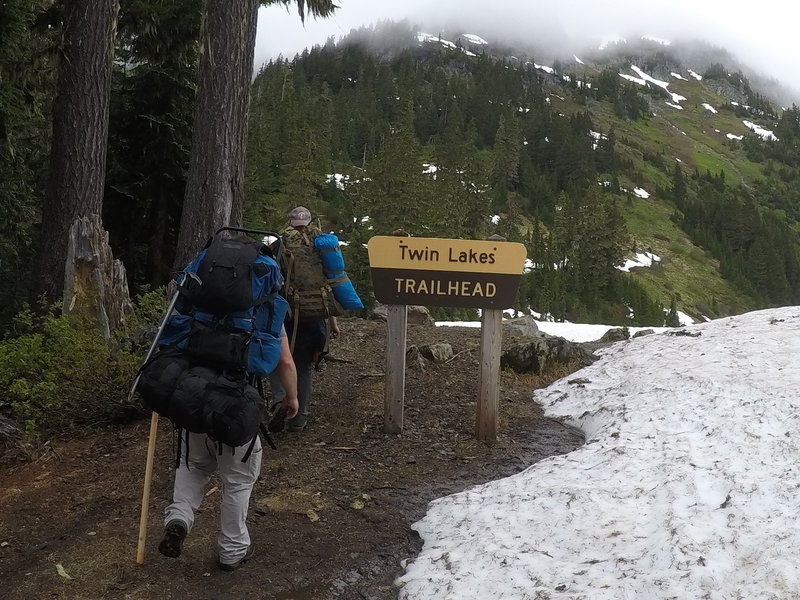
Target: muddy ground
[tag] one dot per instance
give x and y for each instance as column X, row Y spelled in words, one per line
column 331, row 516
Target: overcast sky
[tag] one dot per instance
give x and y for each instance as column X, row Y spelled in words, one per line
column 762, row 34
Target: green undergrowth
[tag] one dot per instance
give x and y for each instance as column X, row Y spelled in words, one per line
column 696, row 139
column 686, row 273
column 59, row 376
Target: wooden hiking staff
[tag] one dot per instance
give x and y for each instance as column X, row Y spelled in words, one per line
column 148, row 478
column 151, row 445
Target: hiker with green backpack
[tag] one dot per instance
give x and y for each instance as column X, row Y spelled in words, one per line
column 317, row 290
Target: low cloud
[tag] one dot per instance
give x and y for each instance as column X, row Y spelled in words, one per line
column 761, row 36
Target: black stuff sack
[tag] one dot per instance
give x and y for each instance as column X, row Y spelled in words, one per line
column 217, row 402
column 159, row 379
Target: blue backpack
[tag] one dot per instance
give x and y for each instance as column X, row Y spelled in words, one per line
column 230, row 313
column 223, row 334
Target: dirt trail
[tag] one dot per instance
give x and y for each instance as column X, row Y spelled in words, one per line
column 330, row 516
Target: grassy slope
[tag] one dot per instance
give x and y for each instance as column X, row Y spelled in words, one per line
column 697, row 138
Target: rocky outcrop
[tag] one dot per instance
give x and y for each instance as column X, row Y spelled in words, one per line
column 522, row 326
column 417, row 315
column 534, row 354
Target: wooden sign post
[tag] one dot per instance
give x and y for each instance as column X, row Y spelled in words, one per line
column 489, row 374
column 395, row 386
column 440, row 272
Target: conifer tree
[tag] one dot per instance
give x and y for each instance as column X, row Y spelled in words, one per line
column 398, row 193
column 672, row 317
column 25, row 82
column 679, row 188
column 506, row 158
column 150, row 133
column 460, row 184
column 215, row 183
column 80, row 135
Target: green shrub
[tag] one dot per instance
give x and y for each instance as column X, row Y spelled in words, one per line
column 59, row 375
column 149, row 308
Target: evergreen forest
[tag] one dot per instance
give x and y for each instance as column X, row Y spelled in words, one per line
column 381, row 132
column 647, row 182
column 636, row 150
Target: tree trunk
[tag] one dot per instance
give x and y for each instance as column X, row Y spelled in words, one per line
column 95, row 286
column 215, row 186
column 80, row 134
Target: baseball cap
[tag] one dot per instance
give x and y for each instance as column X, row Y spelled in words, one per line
column 299, row 215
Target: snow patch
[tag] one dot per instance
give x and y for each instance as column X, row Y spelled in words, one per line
column 685, row 487
column 633, row 79
column 695, row 75
column 760, row 131
column 657, row 40
column 340, row 180
column 642, row 259
column 429, row 169
column 644, row 79
column 474, row 39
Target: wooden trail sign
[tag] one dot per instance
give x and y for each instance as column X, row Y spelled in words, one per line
column 440, row 272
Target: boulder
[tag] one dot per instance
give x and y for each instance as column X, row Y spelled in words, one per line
column 420, row 315
column 534, row 355
column 522, row 326
column 616, row 334
column 642, row 332
column 417, row 315
column 415, row 360
column 438, row 352
column 10, row 433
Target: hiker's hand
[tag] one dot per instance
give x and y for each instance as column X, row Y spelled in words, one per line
column 334, row 328
column 291, row 405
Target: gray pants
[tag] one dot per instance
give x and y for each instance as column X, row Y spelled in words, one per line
column 305, row 373
column 237, row 478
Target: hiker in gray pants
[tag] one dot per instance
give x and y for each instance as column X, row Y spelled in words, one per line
column 202, row 458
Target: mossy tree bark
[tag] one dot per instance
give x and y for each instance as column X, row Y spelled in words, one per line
column 80, row 135
column 215, row 187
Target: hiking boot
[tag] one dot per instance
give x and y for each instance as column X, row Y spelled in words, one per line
column 278, row 420
column 298, row 423
column 172, row 542
column 233, row 566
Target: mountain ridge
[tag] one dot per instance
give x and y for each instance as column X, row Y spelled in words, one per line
column 533, row 138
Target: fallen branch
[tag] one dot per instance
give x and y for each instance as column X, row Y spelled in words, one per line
column 456, row 355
